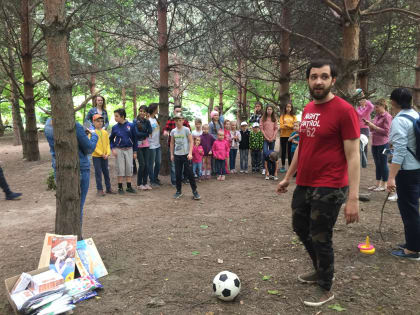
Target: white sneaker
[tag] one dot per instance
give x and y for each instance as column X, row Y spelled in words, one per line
column 241, row 171
column 393, row 197
column 267, row 178
column 246, row 172
column 263, row 172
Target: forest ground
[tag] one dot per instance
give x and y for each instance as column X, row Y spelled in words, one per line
column 161, row 259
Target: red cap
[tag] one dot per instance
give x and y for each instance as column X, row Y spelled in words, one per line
column 97, row 116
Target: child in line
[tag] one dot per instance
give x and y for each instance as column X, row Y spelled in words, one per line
column 181, row 147
column 220, row 154
column 256, row 142
column 244, row 147
column 100, row 156
column 235, row 136
column 123, row 141
column 228, row 141
column 271, row 164
column 215, row 124
column 198, row 131
column 206, row 142
column 197, row 158
column 143, row 131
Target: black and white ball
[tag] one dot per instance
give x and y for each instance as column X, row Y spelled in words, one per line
column 226, row 285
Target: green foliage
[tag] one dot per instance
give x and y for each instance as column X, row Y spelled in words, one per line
column 51, row 185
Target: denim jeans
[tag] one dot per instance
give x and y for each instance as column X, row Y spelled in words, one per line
column 286, row 148
column 197, row 167
column 268, row 146
column 408, row 191
column 155, row 159
column 256, row 159
column 143, row 157
column 182, row 165
column 381, row 163
column 84, row 187
column 220, row 167
column 101, row 167
column 243, row 156
column 172, row 167
column 232, row 158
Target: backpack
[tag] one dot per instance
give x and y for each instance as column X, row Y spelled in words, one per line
column 416, row 125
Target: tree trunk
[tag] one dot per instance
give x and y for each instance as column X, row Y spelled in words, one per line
column 211, row 105
column 350, row 51
column 177, row 88
column 364, row 75
column 244, row 113
column 220, row 93
column 123, row 96
column 239, row 97
column 1, row 126
column 417, row 83
column 134, row 101
column 65, row 141
column 284, row 94
column 162, row 7
column 31, row 132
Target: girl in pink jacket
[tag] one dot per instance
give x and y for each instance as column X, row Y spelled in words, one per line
column 220, row 153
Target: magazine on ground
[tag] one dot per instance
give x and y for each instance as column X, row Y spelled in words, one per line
column 89, row 261
column 63, row 255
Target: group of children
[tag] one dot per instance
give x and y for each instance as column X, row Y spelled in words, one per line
column 211, row 149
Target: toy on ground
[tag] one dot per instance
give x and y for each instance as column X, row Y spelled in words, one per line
column 226, row 285
column 366, row 248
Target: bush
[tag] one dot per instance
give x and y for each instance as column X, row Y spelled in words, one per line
column 51, row 181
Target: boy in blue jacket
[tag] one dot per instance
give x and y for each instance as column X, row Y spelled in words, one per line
column 123, row 141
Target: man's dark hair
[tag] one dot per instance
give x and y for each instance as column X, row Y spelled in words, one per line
column 121, row 112
column 402, row 97
column 152, row 107
column 177, row 106
column 143, row 107
column 319, row 63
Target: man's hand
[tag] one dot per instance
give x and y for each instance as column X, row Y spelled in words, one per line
column 351, row 211
column 189, row 157
column 114, row 152
column 165, row 133
column 135, row 155
column 172, row 157
column 282, row 186
column 391, row 186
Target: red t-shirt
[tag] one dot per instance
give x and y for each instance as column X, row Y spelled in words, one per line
column 324, row 127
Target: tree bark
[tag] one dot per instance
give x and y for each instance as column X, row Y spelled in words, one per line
column 31, row 132
column 284, row 94
column 1, row 126
column 350, row 50
column 134, row 101
column 220, row 93
column 417, row 83
column 364, row 74
column 123, row 97
column 239, row 97
column 177, row 94
column 211, row 105
column 162, row 7
column 65, row 141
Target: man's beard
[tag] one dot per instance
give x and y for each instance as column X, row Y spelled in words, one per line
column 320, row 94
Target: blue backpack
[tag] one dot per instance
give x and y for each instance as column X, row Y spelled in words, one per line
column 416, row 125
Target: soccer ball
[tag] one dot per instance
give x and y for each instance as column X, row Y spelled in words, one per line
column 226, row 285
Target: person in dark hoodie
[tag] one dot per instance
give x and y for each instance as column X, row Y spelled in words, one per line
column 124, row 147
column 86, row 147
column 143, row 131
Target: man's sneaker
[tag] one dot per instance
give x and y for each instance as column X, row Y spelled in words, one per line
column 400, row 253
column 196, row 196
column 13, row 195
column 178, row 195
column 319, row 297
column 402, row 246
column 309, row 277
column 393, row 197
column 130, row 190
column 263, row 172
column 121, row 191
column 282, row 170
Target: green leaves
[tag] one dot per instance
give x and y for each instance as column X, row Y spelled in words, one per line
column 204, row 226
column 273, row 292
column 337, row 307
column 195, row 253
column 265, row 278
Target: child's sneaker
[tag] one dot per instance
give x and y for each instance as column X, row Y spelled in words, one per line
column 121, row 191
column 275, row 178
column 241, row 171
column 13, row 195
column 263, row 172
column 400, row 253
column 130, row 190
column 177, row 195
column 267, row 177
column 196, row 196
column 147, row 187
column 100, row 193
column 282, row 170
column 246, row 172
column 110, row 192
column 223, row 177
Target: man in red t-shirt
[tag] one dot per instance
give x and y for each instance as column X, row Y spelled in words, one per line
column 328, row 169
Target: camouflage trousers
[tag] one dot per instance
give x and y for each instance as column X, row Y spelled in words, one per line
column 314, row 213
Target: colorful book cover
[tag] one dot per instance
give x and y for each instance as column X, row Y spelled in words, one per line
column 90, row 259
column 62, row 258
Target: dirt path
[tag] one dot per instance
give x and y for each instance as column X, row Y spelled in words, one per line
column 147, row 243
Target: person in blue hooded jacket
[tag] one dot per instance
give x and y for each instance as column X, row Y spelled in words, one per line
column 86, row 147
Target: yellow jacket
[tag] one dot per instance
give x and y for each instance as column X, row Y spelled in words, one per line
column 286, row 125
column 102, row 147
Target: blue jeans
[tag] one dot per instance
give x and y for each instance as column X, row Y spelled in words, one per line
column 408, row 191
column 268, row 146
column 381, row 163
column 101, row 167
column 143, row 157
column 220, row 167
column 84, row 187
column 243, row 157
column 232, row 158
column 155, row 158
column 197, row 167
column 172, row 167
column 256, row 160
